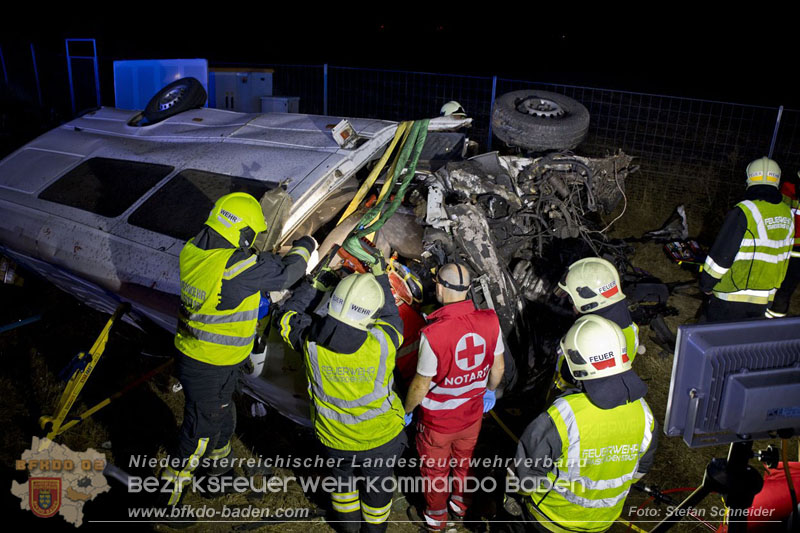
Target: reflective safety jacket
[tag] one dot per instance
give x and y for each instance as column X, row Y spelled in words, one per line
column 205, row 333
column 464, row 340
column 353, row 405
column 760, row 265
column 601, row 449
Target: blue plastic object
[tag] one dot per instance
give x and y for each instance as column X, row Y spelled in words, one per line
column 489, row 399
column 409, row 418
column 263, row 307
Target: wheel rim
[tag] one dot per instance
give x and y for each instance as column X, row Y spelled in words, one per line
column 540, row 107
column 171, row 98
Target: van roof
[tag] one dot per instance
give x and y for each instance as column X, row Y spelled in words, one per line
column 274, row 147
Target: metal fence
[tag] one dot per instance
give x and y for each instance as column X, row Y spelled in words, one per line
column 690, row 151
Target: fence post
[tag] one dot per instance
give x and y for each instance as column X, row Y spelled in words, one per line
column 325, row 89
column 491, row 109
column 36, row 75
column 775, row 133
column 3, row 63
column 96, row 71
column 69, row 73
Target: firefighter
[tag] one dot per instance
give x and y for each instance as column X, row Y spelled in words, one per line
column 221, row 286
column 460, row 364
column 594, row 287
column 749, row 258
column 780, row 306
column 358, row 419
column 605, row 419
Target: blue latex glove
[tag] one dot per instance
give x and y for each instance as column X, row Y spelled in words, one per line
column 409, row 418
column 489, row 400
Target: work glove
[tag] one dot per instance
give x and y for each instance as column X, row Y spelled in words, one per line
column 325, row 280
column 489, row 400
column 308, row 242
column 258, row 410
column 379, row 266
column 409, row 418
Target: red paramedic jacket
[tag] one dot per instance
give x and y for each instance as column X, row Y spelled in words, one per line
column 788, row 190
column 464, row 341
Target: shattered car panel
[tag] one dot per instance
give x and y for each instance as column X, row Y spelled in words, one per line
column 501, row 214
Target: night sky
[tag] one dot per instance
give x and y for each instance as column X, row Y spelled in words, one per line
column 701, row 52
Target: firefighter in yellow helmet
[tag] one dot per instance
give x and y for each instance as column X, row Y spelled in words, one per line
column 565, row 488
column 221, row 285
column 594, row 287
column 749, row 258
column 350, row 356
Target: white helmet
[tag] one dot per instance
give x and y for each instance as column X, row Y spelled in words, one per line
column 763, row 171
column 595, row 347
column 357, row 300
column 592, row 283
column 452, row 108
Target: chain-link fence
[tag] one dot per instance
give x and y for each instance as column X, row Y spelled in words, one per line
column 690, row 151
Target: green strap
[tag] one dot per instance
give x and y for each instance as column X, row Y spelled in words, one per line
column 409, row 154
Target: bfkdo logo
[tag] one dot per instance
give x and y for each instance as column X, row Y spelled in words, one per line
column 45, row 496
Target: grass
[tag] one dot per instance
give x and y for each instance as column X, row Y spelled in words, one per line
column 143, row 421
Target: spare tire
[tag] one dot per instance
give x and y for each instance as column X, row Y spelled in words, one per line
column 177, row 97
column 540, row 120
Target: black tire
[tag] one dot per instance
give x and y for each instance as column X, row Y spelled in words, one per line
column 177, row 97
column 558, row 122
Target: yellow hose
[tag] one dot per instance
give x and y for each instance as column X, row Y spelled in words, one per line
column 402, row 132
column 631, row 526
column 503, row 426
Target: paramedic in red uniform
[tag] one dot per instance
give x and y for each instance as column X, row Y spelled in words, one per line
column 780, row 305
column 460, row 364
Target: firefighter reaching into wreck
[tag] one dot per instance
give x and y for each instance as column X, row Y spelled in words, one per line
column 221, row 283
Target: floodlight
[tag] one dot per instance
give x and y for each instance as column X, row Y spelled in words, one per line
column 735, row 381
column 731, row 383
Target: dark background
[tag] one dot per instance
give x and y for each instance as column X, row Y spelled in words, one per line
column 747, row 56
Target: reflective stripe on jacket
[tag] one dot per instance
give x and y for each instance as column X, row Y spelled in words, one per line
column 631, row 340
column 464, row 340
column 760, row 265
column 600, row 452
column 353, row 405
column 205, row 333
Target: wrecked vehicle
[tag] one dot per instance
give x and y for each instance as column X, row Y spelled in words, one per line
column 102, row 206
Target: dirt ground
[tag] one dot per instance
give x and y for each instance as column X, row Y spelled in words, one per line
column 142, row 421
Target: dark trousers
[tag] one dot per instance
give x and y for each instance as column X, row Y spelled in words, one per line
column 209, row 414
column 784, row 295
column 723, row 311
column 365, row 503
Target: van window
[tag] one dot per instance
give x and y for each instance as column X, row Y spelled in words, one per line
column 181, row 206
column 103, row 186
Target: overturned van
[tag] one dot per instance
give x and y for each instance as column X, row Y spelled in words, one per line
column 102, row 206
